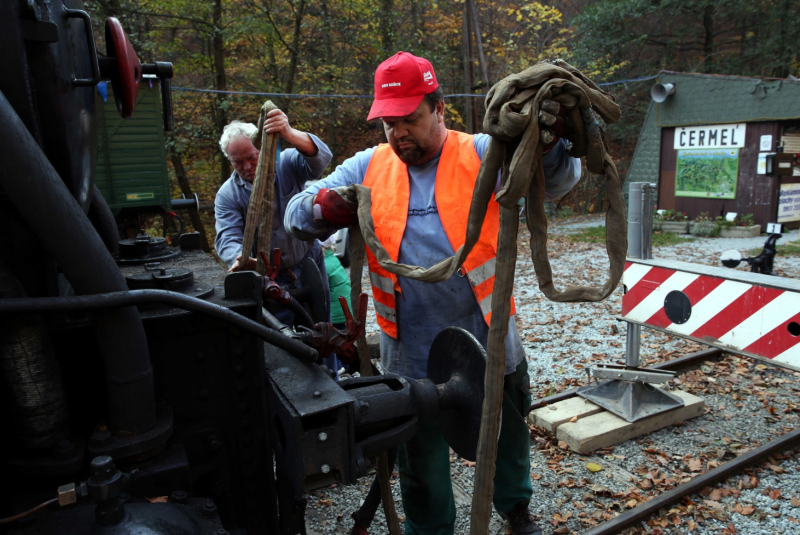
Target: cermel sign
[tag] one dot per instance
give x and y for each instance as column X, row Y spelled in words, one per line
column 718, row 136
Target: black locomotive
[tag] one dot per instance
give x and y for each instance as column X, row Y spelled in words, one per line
column 143, row 390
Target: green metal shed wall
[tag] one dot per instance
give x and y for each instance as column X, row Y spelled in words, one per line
column 131, row 157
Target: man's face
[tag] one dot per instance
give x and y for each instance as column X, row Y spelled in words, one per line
column 418, row 136
column 244, row 157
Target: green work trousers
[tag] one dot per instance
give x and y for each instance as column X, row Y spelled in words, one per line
column 424, row 465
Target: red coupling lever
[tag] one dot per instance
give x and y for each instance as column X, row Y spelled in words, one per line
column 272, row 290
column 326, row 339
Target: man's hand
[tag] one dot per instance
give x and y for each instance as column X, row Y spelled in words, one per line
column 551, row 123
column 278, row 123
column 332, row 207
column 249, row 265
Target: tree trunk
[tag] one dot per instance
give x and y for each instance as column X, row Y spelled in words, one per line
column 386, row 17
column 466, row 50
column 220, row 84
column 708, row 44
column 294, row 52
column 330, row 105
column 186, row 189
column 785, row 47
column 478, row 42
column 415, row 23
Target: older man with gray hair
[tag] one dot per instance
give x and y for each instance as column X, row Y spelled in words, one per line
column 294, row 168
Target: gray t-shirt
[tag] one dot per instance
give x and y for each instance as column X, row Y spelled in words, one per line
column 424, row 309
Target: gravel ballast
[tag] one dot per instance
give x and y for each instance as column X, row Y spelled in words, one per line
column 748, row 404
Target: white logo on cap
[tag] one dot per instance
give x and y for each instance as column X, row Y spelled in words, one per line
column 393, row 84
column 427, row 76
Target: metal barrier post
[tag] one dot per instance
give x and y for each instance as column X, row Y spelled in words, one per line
column 640, row 245
column 626, row 390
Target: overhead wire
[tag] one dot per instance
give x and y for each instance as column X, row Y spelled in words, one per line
column 323, row 95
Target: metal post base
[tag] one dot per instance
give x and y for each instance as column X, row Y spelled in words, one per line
column 630, row 400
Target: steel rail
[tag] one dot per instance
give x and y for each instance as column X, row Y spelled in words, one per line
column 734, row 466
column 143, row 297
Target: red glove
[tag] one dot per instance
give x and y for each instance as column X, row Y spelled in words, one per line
column 335, row 209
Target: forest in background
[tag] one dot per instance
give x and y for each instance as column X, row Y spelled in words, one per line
column 332, row 47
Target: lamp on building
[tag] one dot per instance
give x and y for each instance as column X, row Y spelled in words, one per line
column 660, row 92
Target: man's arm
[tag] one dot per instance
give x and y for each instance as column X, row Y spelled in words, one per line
column 299, row 168
column 278, row 123
column 561, row 171
column 229, row 224
column 307, row 162
column 299, row 219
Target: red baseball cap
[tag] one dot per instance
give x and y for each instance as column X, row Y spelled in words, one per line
column 401, row 82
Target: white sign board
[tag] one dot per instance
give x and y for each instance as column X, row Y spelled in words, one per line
column 789, row 203
column 766, row 143
column 718, row 136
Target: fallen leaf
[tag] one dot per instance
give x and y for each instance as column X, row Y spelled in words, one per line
column 468, row 464
column 795, row 502
column 325, row 502
column 574, row 419
column 593, row 467
column 777, row 469
column 716, row 495
column 695, row 465
column 774, row 494
column 713, row 504
column 536, row 477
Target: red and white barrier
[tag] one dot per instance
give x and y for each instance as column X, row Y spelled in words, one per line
column 741, row 312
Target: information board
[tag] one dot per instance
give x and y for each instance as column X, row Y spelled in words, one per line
column 707, row 173
column 789, row 203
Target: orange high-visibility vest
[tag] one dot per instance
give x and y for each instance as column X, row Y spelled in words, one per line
column 387, row 178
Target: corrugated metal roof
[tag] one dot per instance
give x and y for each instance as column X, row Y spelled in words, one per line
column 131, row 158
column 713, row 99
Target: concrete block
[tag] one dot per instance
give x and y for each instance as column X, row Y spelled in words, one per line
column 552, row 416
column 606, row 429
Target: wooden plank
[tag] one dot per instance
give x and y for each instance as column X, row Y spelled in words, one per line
column 552, row 416
column 464, row 498
column 606, row 429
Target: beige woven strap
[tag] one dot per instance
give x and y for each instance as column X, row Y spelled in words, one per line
column 260, row 208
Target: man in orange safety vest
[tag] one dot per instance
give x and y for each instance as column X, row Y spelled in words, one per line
column 421, row 184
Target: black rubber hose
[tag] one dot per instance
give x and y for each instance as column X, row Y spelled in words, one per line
column 301, row 315
column 273, row 323
column 103, row 220
column 46, row 204
column 84, row 303
column 32, row 377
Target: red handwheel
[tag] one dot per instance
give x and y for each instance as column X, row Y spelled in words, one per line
column 129, row 69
